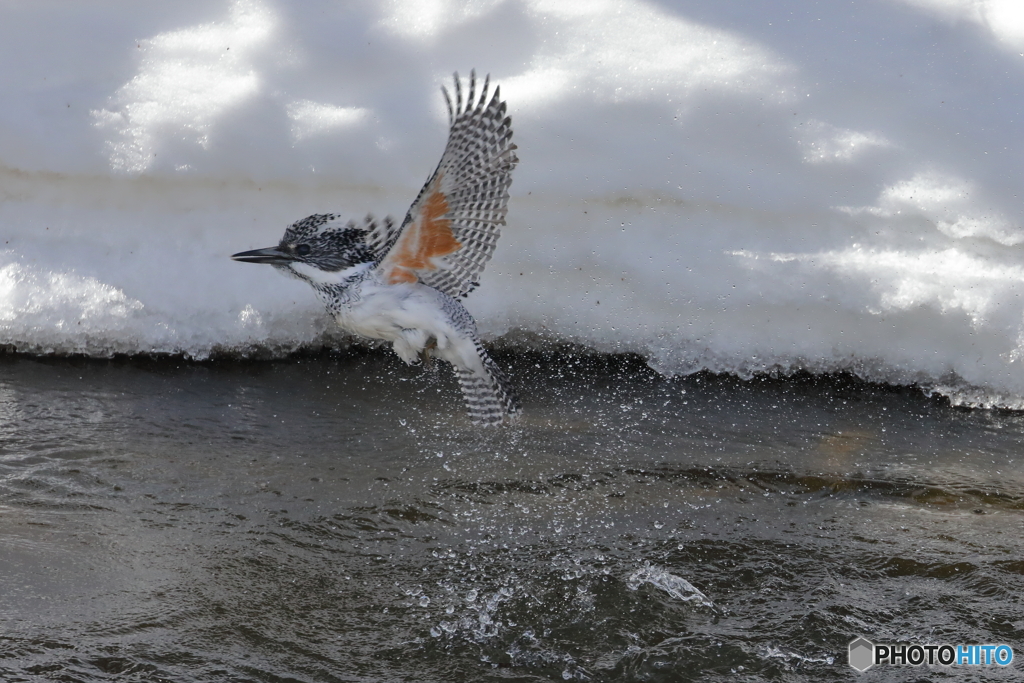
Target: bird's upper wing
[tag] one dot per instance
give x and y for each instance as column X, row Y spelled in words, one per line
column 451, row 229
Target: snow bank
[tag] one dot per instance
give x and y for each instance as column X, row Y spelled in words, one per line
column 742, row 187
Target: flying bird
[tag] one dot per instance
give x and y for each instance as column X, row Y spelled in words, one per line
column 404, row 284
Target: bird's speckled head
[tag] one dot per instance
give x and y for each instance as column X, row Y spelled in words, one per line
column 319, row 240
column 316, row 244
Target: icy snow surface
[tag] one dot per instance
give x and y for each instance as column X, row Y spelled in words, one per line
column 739, row 186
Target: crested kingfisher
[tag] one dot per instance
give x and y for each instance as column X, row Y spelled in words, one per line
column 404, row 284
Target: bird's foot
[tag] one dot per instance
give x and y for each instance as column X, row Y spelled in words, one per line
column 426, row 359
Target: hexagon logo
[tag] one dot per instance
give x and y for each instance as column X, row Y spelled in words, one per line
column 862, row 654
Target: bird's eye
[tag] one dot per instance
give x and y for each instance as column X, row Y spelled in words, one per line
column 302, row 249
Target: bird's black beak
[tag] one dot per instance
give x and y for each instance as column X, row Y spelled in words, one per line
column 270, row 255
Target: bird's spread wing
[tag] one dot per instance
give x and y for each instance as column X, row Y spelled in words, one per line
column 451, row 229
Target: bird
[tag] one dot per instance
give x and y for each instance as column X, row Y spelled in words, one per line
column 404, row 285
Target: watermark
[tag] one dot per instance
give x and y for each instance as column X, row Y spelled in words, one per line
column 864, row 654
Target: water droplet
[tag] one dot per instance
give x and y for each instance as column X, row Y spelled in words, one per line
column 424, row 601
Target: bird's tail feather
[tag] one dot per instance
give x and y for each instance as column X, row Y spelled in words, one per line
column 489, row 396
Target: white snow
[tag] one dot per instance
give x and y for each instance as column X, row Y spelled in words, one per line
column 736, row 186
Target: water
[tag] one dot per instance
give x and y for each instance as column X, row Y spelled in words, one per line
column 336, row 518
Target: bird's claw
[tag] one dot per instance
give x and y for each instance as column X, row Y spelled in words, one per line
column 427, row 361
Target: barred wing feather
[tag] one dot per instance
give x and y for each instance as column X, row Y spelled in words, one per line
column 451, row 229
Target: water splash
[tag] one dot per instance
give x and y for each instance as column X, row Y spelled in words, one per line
column 676, row 586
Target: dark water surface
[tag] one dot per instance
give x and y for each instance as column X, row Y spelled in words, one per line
column 336, row 518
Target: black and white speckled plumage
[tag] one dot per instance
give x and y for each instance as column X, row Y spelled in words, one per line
column 402, row 285
column 331, row 246
column 476, row 172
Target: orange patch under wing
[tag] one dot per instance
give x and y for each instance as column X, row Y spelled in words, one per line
column 428, row 237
